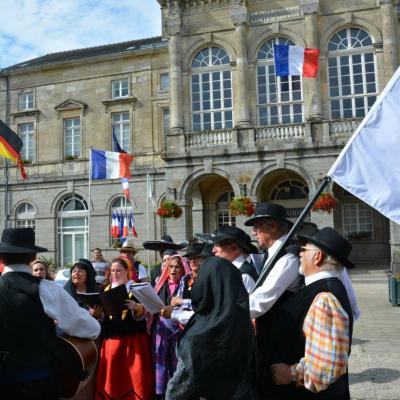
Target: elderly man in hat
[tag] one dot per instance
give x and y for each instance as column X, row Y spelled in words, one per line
column 30, row 310
column 314, row 327
column 270, row 227
column 128, row 248
column 235, row 245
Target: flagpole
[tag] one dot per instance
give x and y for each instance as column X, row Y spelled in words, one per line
column 298, row 222
column 148, row 220
column 90, row 201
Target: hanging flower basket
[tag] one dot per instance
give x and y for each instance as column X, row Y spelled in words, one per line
column 325, row 203
column 241, row 206
column 169, row 209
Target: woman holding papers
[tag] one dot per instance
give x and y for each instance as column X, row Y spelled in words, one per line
column 125, row 367
column 166, row 332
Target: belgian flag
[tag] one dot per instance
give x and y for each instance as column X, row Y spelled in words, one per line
column 10, row 146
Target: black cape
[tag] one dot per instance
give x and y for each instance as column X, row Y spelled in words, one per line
column 217, row 343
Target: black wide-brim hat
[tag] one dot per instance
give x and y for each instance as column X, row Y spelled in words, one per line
column 334, row 244
column 19, row 241
column 165, row 243
column 268, row 210
column 193, row 250
column 226, row 232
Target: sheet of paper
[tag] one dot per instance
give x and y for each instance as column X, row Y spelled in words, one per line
column 145, row 293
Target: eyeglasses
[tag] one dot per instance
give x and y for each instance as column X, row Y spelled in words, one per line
column 305, row 248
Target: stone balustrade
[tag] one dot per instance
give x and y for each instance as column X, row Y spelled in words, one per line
column 281, row 132
column 209, row 138
column 343, row 127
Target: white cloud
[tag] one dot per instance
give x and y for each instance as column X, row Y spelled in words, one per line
column 32, row 28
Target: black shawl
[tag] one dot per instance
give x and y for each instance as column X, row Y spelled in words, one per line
column 91, row 285
column 217, row 343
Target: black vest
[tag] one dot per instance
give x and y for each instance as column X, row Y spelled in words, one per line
column 25, row 329
column 249, row 269
column 289, row 339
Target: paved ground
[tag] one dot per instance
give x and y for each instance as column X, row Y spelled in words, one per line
column 375, row 359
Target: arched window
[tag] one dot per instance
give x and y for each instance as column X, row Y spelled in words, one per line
column 223, row 213
column 25, row 216
column 351, row 72
column 119, row 208
column 72, row 229
column 279, row 99
column 211, row 90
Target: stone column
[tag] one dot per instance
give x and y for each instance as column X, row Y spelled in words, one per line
column 175, row 71
column 239, row 17
column 311, row 86
column 389, row 35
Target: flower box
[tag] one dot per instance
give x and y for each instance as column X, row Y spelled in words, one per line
column 325, row 203
column 394, row 290
column 169, row 209
column 241, row 206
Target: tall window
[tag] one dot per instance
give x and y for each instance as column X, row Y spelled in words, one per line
column 121, row 129
column 25, row 216
column 279, row 98
column 119, row 88
column 27, row 135
column 357, row 221
column 72, row 137
column 164, row 82
column 72, row 229
column 165, row 120
column 351, row 71
column 120, row 207
column 211, row 90
column 224, row 216
column 25, row 101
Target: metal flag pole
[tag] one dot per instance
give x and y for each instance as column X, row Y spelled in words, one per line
column 298, row 222
column 90, row 202
column 148, row 219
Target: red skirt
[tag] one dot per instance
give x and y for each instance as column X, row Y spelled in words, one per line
column 125, row 369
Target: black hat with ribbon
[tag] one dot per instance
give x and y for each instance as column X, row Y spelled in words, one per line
column 332, row 243
column 19, row 240
column 268, row 210
column 165, row 243
column 193, row 250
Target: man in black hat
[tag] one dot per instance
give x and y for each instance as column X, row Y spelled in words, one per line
column 314, row 329
column 30, row 309
column 165, row 246
column 234, row 244
column 270, row 227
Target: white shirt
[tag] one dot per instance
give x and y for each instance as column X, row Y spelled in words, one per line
column 283, row 276
column 142, row 272
column 248, row 281
column 59, row 305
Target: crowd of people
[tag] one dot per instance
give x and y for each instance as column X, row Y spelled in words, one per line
column 222, row 333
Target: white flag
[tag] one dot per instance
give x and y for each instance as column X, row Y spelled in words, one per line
column 369, row 165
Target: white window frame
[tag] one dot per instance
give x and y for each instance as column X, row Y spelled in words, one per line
column 121, row 127
column 274, row 98
column 25, row 216
column 205, row 67
column 222, row 211
column 119, row 88
column 72, row 231
column 25, row 101
column 346, row 51
column 356, row 210
column 72, row 137
column 26, row 132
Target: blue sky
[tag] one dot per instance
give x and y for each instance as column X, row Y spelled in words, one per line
column 32, row 28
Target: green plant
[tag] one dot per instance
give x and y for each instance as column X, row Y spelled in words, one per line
column 169, row 209
column 241, row 206
column 71, row 158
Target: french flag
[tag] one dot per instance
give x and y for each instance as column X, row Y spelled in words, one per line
column 109, row 164
column 295, row 60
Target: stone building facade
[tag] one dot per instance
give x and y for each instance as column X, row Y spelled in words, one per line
column 207, row 119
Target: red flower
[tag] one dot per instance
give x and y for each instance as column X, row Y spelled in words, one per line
column 325, row 203
column 241, row 206
column 169, row 209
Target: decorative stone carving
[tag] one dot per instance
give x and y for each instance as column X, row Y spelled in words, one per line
column 309, row 6
column 208, row 165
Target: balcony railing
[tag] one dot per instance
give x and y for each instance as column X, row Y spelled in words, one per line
column 209, row 138
column 343, row 127
column 281, row 132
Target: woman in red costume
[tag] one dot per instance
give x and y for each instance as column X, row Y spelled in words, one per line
column 125, row 367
